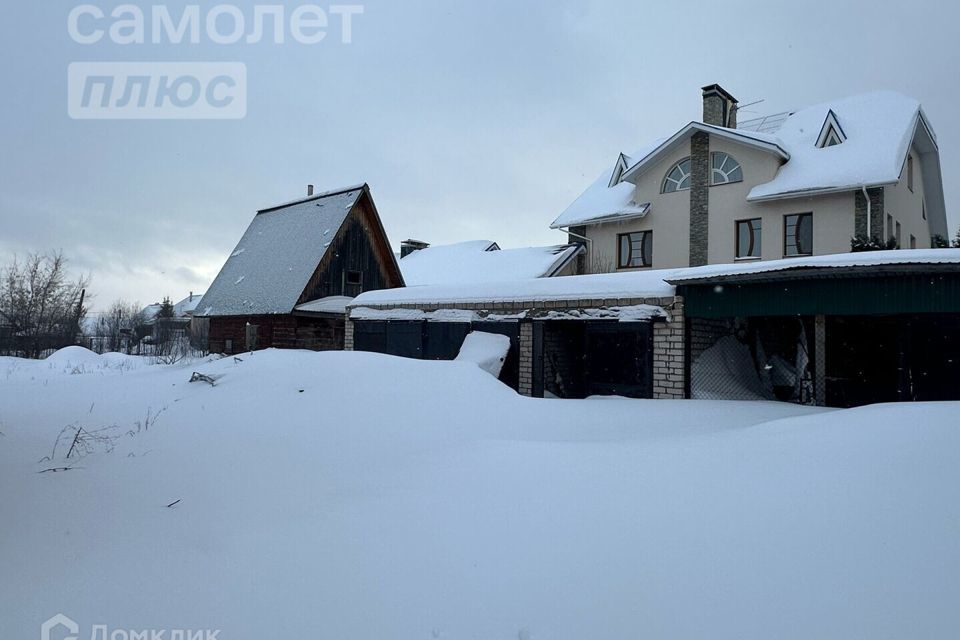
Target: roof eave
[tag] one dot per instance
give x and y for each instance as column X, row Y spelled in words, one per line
column 613, row 217
column 820, row 191
column 822, row 271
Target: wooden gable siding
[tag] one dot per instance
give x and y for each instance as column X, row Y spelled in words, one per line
column 359, row 245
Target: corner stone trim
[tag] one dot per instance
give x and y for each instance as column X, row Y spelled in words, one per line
column 699, row 197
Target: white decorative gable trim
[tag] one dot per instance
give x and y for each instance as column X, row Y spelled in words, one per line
column 622, row 165
column 831, row 133
column 748, row 138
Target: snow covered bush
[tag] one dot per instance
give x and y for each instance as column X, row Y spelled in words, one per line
column 861, row 242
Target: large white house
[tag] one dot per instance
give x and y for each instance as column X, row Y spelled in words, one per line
column 795, row 184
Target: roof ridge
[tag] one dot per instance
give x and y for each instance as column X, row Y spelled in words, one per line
column 316, row 196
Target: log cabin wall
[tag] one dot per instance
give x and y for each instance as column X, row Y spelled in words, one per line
column 231, row 335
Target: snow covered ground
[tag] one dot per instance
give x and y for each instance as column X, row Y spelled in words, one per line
column 355, row 495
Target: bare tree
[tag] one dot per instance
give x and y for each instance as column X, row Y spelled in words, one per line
column 40, row 305
column 117, row 327
column 599, row 261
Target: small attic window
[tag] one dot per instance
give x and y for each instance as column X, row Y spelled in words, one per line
column 831, row 134
column 618, row 171
column 354, row 277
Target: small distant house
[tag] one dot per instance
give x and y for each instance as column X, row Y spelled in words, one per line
column 483, row 261
column 289, row 279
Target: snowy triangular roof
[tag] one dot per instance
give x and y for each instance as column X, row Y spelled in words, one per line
column 279, row 252
column 187, row 305
column 482, row 261
column 878, row 128
column 613, row 196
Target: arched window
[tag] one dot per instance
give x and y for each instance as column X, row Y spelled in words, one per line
column 677, row 178
column 725, row 168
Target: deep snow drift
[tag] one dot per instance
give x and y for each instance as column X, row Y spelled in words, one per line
column 353, row 495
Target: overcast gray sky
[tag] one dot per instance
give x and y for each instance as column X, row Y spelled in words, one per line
column 468, row 120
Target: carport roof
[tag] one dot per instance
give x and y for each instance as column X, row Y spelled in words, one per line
column 863, row 263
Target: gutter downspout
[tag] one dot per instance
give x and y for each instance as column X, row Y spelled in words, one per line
column 575, row 235
column 866, row 197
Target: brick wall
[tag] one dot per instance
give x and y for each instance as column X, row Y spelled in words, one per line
column 348, row 336
column 669, row 376
column 669, row 365
column 526, row 359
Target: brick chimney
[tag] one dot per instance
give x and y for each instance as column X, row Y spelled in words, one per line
column 409, row 246
column 719, row 107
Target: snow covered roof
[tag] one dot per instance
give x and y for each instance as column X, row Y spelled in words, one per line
column 483, row 261
column 763, row 141
column 187, row 305
column 277, row 255
column 336, row 305
column 873, row 260
column 650, row 283
column 601, row 200
column 634, row 284
column 612, row 196
column 878, row 128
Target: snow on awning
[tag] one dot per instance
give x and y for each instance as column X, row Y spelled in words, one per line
column 625, row 313
column 336, row 305
column 901, row 259
column 634, row 284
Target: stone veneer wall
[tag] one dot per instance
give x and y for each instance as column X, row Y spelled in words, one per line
column 876, row 213
column 669, row 367
column 699, row 197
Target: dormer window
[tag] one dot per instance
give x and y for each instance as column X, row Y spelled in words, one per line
column 678, row 178
column 618, row 171
column 831, row 134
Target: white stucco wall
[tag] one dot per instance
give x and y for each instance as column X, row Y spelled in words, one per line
column 833, row 215
column 669, row 218
column 906, row 207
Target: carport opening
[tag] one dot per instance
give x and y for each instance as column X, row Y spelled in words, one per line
column 603, row 357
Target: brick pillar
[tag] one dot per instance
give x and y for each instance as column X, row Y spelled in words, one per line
column 699, row 197
column 348, row 335
column 820, row 360
column 526, row 359
column 669, row 348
